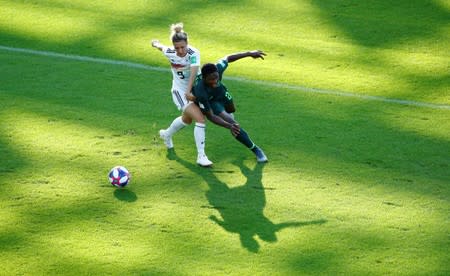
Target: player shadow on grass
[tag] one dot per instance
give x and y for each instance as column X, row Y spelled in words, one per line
column 242, row 208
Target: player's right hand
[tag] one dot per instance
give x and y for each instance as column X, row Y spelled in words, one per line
column 154, row 42
column 235, row 129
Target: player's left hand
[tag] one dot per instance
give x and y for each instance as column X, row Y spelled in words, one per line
column 190, row 96
column 257, row 54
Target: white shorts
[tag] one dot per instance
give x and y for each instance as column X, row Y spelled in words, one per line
column 179, row 99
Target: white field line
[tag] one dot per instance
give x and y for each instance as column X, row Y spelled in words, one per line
column 265, row 83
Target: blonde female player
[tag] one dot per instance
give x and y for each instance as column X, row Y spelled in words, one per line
column 185, row 62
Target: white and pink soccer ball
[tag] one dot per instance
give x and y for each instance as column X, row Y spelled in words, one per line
column 119, row 176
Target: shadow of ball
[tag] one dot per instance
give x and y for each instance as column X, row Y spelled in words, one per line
column 125, row 195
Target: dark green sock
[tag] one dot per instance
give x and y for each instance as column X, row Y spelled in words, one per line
column 245, row 140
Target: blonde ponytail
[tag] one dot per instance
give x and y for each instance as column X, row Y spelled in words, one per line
column 177, row 33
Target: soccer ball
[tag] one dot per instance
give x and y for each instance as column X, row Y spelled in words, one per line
column 119, row 177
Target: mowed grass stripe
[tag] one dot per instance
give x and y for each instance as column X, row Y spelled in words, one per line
column 259, row 82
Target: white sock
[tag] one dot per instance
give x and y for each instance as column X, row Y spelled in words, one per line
column 175, row 126
column 199, row 135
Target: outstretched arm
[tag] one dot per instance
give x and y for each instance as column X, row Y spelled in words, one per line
column 254, row 54
column 155, row 43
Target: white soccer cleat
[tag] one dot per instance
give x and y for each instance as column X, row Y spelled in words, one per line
column 203, row 161
column 260, row 156
column 167, row 140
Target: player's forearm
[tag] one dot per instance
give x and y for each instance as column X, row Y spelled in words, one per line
column 194, row 70
column 254, row 54
column 238, row 56
column 218, row 121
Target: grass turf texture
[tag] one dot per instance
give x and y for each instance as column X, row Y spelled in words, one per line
column 352, row 187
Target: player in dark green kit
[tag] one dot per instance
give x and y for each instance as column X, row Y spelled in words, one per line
column 216, row 102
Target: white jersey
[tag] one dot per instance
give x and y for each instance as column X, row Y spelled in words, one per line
column 181, row 66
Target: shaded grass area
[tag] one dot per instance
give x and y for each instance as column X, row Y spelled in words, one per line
column 352, row 186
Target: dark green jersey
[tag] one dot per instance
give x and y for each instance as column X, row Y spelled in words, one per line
column 209, row 98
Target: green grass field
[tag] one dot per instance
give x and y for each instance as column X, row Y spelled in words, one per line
column 351, row 106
